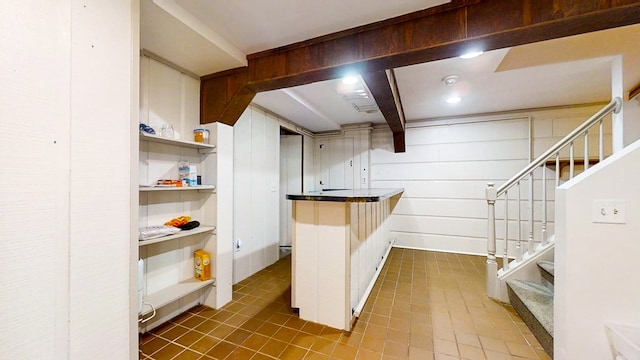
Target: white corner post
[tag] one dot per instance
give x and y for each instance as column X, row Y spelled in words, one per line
column 617, row 91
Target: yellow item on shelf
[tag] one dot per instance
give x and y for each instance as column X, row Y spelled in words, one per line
column 202, row 265
column 181, row 220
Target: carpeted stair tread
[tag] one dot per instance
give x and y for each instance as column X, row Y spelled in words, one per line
column 534, row 303
column 547, row 270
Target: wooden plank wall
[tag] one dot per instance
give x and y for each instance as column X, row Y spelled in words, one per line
column 446, row 168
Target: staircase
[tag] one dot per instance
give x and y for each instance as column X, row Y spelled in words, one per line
column 526, row 279
column 533, row 301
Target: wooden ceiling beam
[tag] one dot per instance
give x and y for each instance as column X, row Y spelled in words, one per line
column 437, row 33
column 383, row 88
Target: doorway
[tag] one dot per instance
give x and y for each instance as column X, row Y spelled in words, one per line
column 291, row 145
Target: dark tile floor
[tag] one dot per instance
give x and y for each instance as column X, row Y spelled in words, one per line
column 425, row 305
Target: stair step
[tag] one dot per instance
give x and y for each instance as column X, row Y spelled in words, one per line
column 547, row 270
column 534, row 303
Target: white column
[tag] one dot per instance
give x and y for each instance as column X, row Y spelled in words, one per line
column 617, row 90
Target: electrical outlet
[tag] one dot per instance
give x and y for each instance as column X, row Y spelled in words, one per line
column 609, row 211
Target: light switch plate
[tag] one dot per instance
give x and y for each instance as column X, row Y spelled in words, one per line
column 608, row 211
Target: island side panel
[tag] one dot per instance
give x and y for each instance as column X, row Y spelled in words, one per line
column 334, row 264
column 305, row 259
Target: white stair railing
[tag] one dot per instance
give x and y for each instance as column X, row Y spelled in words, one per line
column 501, row 194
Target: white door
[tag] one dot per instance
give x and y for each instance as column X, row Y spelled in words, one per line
column 290, row 181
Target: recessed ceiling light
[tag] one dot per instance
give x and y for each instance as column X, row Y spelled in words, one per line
column 471, row 54
column 450, row 80
column 454, row 99
column 350, row 80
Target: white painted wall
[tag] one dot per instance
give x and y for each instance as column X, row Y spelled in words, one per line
column 597, row 276
column 446, row 168
column 290, row 181
column 256, row 171
column 631, row 121
column 256, row 192
column 66, row 103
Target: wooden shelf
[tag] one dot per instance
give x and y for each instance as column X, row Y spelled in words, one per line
column 176, row 188
column 176, row 142
column 184, row 233
column 174, row 292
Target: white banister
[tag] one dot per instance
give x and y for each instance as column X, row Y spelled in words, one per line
column 494, row 194
column 613, row 106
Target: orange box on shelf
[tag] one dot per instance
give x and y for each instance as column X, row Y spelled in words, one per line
column 202, row 265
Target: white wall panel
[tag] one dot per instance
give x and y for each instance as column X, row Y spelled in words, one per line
column 597, row 273
column 467, row 132
column 34, row 142
column 257, row 242
column 460, row 189
column 165, row 96
column 291, row 170
column 101, row 101
column 308, row 170
column 272, row 191
column 256, row 206
column 191, row 105
column 463, row 170
column 242, row 195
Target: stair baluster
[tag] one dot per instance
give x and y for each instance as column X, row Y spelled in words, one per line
column 519, row 251
column 586, row 150
column 545, row 240
column 505, row 255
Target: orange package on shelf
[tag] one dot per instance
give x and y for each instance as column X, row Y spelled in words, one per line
column 202, row 265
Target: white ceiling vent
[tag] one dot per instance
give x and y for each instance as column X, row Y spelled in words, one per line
column 358, row 95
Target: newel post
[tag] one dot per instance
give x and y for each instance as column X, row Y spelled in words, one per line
column 492, row 265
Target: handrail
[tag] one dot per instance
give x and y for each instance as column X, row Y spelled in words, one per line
column 614, row 106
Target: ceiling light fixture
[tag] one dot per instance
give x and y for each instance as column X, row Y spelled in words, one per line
column 454, row 99
column 451, row 79
column 350, row 79
column 471, row 54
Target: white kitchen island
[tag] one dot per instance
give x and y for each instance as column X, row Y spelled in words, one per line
column 340, row 242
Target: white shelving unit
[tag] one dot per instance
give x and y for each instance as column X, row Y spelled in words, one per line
column 173, row 293
column 163, row 140
column 175, row 188
column 169, row 283
column 184, row 233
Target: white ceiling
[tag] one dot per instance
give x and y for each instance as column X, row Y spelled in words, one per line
column 205, row 36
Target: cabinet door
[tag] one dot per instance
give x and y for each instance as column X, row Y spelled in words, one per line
column 336, row 162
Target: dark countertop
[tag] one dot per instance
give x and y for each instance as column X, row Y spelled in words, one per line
column 362, row 195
